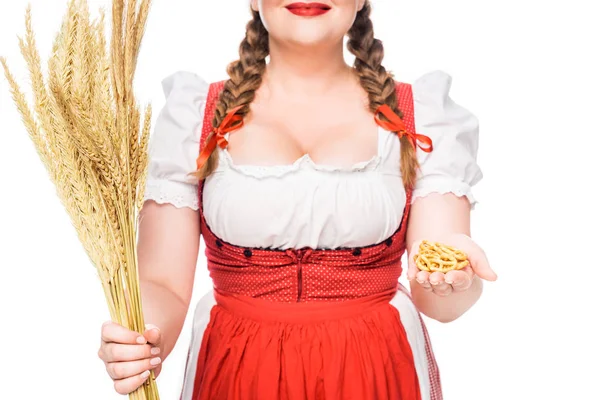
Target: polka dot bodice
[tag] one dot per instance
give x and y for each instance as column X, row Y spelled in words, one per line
column 305, row 274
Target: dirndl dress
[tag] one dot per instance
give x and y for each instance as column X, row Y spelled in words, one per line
column 280, row 330
column 306, row 323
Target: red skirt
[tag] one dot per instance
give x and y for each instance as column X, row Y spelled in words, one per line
column 255, row 349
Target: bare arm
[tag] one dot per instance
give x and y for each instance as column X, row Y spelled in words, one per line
column 168, row 244
column 445, row 218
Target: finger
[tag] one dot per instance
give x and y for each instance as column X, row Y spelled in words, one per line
column 475, row 254
column 479, row 262
column 113, row 352
column 128, row 385
column 439, row 285
column 153, row 334
column 481, row 266
column 413, row 270
column 423, row 279
column 115, row 333
column 128, row 369
column 460, row 280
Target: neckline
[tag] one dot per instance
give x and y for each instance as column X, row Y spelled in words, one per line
column 306, row 161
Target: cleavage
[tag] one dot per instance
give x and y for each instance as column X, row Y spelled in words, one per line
column 341, row 145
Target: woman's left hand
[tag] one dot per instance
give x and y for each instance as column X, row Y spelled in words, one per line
column 455, row 280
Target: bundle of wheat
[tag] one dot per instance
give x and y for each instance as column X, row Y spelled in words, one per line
column 85, row 125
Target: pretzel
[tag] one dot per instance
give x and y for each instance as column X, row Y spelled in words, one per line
column 434, row 256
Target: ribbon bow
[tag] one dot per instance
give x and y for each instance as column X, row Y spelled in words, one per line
column 395, row 124
column 232, row 121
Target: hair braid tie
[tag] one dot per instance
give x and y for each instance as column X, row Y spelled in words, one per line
column 395, row 124
column 231, row 122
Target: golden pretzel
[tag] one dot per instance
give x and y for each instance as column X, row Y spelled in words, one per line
column 434, row 256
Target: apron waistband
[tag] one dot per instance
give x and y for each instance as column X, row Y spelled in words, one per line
column 302, row 312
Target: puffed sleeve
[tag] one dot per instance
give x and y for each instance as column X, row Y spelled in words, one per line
column 452, row 165
column 174, row 144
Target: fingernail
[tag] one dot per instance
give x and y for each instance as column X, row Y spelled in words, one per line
column 435, row 283
column 155, row 361
column 145, row 374
column 141, row 340
column 420, row 281
column 449, row 282
column 155, row 350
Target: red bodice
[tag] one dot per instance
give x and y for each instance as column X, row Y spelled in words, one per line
column 306, row 274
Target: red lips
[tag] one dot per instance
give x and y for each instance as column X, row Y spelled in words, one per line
column 308, row 9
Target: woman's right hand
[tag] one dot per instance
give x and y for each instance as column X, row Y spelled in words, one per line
column 129, row 356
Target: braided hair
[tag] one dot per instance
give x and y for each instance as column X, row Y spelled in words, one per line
column 245, row 77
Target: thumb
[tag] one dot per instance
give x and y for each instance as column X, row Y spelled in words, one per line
column 475, row 254
column 153, row 334
column 481, row 266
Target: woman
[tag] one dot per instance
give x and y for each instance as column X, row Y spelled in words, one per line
column 303, row 198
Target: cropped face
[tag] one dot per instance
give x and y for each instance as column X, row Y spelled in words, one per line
column 307, row 23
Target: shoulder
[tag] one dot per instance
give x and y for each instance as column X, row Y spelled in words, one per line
column 454, row 131
column 433, row 78
column 185, row 94
column 429, row 89
column 433, row 101
column 183, row 81
column 432, row 87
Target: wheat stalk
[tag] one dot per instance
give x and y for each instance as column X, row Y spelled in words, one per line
column 88, row 132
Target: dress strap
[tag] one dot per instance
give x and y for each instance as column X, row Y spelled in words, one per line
column 214, row 90
column 406, row 105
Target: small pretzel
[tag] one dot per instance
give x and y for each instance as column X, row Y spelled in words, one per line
column 437, row 257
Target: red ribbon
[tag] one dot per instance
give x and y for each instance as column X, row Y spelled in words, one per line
column 232, row 121
column 395, row 124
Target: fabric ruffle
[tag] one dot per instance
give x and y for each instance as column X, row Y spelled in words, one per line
column 302, row 163
column 179, row 194
column 443, row 185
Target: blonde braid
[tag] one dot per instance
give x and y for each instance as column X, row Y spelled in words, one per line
column 379, row 83
column 245, row 77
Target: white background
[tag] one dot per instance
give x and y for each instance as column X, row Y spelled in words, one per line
column 528, row 69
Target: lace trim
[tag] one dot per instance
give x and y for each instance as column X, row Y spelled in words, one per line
column 176, row 193
column 444, row 186
column 302, row 163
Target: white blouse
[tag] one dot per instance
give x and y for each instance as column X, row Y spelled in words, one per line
column 305, row 204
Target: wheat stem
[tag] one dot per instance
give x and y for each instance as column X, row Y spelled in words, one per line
column 86, row 127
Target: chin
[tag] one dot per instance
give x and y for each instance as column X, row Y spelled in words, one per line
column 306, row 36
column 307, row 40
